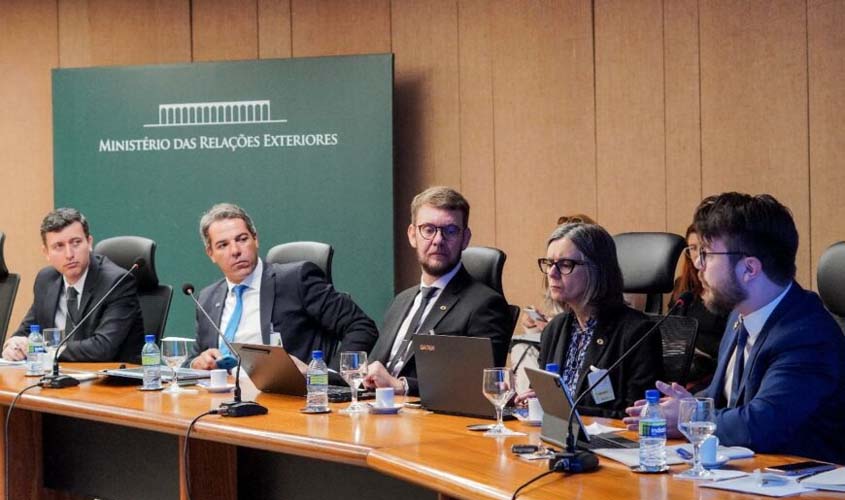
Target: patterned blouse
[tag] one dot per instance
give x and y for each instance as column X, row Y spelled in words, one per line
column 579, row 340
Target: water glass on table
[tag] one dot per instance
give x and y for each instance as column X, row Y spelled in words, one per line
column 52, row 338
column 498, row 388
column 174, row 352
column 353, row 369
column 696, row 421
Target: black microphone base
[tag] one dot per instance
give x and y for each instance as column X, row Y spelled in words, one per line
column 58, row 381
column 241, row 409
column 574, row 462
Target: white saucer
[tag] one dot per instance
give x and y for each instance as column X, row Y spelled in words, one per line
column 218, row 388
column 527, row 421
column 387, row 410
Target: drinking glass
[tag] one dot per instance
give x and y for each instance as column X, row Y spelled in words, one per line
column 696, row 421
column 52, row 338
column 353, row 369
column 174, row 351
column 498, row 388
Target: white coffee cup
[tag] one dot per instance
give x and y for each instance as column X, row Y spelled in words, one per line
column 219, row 378
column 709, row 450
column 384, row 397
column 535, row 411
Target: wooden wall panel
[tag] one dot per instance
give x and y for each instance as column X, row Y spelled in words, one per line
column 630, row 126
column 477, row 142
column 754, row 105
column 544, row 130
column 426, row 123
column 28, row 50
column 108, row 32
column 224, row 30
column 340, row 27
column 683, row 117
column 826, row 20
column 274, row 28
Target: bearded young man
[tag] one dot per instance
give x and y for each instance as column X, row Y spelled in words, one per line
column 447, row 300
column 779, row 386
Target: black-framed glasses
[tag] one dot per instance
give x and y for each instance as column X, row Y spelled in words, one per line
column 563, row 266
column 702, row 255
column 692, row 252
column 429, row 231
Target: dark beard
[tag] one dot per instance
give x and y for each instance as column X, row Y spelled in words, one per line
column 439, row 271
column 722, row 302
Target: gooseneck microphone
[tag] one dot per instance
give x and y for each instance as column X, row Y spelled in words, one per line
column 584, row 461
column 56, row 381
column 235, row 408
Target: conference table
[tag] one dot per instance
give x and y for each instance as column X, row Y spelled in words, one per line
column 106, row 440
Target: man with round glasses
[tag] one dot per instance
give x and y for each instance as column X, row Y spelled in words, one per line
column 447, row 301
column 779, row 384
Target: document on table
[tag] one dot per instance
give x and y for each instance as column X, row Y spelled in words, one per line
column 752, row 484
column 5, row 362
column 631, row 456
column 833, row 480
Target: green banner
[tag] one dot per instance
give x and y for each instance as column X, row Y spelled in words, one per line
column 304, row 145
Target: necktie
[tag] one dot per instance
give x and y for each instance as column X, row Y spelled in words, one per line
column 739, row 363
column 403, row 354
column 72, row 307
column 232, row 327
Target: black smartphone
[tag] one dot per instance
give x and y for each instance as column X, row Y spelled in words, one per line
column 800, row 468
column 524, row 448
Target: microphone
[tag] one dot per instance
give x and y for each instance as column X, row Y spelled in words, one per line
column 584, row 461
column 236, row 407
column 56, row 381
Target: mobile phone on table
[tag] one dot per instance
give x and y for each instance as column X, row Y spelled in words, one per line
column 800, row 468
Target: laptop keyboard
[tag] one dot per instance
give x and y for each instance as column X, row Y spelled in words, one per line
column 608, row 440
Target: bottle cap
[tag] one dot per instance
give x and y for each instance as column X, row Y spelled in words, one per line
column 35, row 328
column 150, row 337
column 317, row 355
column 652, row 395
column 553, row 367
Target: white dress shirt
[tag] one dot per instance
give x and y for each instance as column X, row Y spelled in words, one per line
column 249, row 329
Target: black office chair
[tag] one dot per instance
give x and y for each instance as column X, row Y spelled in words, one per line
column 648, row 262
column 485, row 264
column 320, row 254
column 830, row 276
column 8, row 290
column 678, row 335
column 154, row 297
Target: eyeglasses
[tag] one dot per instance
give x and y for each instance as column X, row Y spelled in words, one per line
column 429, row 231
column 563, row 266
column 702, row 256
column 692, row 252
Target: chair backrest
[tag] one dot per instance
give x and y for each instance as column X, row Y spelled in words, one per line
column 154, row 297
column 648, row 262
column 678, row 335
column 830, row 276
column 320, row 254
column 8, row 290
column 485, row 264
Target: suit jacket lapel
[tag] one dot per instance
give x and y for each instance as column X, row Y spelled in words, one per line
column 92, row 285
column 267, row 299
column 397, row 314
column 445, row 301
column 51, row 301
column 598, row 344
column 717, row 386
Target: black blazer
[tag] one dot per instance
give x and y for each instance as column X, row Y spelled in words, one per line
column 466, row 307
column 616, row 330
column 302, row 306
column 114, row 332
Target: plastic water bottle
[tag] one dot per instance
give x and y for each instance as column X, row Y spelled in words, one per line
column 35, row 352
column 652, row 434
column 151, row 361
column 317, row 378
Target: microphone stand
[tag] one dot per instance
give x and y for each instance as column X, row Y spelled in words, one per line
column 56, row 381
column 236, row 407
column 584, row 461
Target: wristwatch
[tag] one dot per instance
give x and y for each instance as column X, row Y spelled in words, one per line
column 404, row 381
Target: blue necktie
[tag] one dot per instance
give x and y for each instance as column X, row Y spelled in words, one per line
column 739, row 363
column 232, row 327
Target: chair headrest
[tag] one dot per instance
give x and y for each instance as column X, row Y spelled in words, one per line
column 485, row 264
column 4, row 271
column 831, row 278
column 648, row 260
column 125, row 250
column 309, row 251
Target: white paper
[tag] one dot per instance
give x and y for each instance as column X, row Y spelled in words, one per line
column 751, row 484
column 732, row 452
column 597, row 428
column 631, row 456
column 833, row 480
column 715, row 475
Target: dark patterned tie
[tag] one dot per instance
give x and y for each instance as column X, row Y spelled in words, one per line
column 394, row 366
column 72, row 307
column 739, row 363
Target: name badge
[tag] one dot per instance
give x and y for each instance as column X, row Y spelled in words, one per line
column 603, row 392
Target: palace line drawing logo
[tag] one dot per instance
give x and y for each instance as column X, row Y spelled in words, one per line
column 194, row 114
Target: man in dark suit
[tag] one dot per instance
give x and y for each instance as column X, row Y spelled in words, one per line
column 779, row 385
column 447, row 301
column 69, row 288
column 255, row 299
